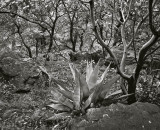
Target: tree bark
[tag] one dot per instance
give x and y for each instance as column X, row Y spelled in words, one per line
column 132, row 82
column 131, row 89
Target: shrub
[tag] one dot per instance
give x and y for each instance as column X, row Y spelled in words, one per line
column 87, row 92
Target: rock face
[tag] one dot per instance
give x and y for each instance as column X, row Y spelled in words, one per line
column 138, row 116
column 21, row 72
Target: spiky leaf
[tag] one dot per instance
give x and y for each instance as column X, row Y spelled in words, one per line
column 61, row 87
column 88, row 102
column 104, row 75
column 84, row 87
column 62, row 99
column 66, row 93
column 89, row 71
column 93, row 77
column 124, row 96
column 58, row 116
column 45, row 71
column 59, row 83
column 78, row 94
column 96, row 93
column 107, row 86
column 54, row 101
column 73, row 69
column 114, row 94
column 59, row 107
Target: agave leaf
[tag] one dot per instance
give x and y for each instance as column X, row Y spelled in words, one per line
column 66, row 101
column 89, row 70
column 84, row 87
column 97, row 91
column 124, row 96
column 61, row 87
column 42, row 68
column 55, row 94
column 58, row 116
column 104, row 74
column 88, row 101
column 93, row 77
column 62, row 99
column 107, row 86
column 66, row 93
column 60, row 84
column 59, row 107
column 72, row 67
column 78, row 94
column 54, row 101
column 114, row 94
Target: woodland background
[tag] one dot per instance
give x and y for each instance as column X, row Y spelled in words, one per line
column 54, row 33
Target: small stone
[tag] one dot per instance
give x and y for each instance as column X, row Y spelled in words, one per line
column 106, row 115
column 150, row 95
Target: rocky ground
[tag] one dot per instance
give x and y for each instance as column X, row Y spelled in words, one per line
column 25, row 93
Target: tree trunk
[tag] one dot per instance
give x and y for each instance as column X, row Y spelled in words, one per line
column 122, row 85
column 73, row 47
column 132, row 89
column 36, row 48
column 51, row 41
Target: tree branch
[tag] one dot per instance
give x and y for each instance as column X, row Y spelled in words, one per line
column 142, row 53
column 102, row 42
column 154, row 31
column 151, row 52
column 8, row 12
column 139, row 24
column 125, row 45
column 27, row 47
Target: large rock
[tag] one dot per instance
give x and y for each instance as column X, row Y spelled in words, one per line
column 137, row 116
column 23, row 73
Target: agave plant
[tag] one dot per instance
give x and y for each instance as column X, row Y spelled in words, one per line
column 87, row 91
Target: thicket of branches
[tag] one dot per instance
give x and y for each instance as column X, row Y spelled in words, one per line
column 43, row 27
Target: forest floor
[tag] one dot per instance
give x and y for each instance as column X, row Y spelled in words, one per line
column 28, row 111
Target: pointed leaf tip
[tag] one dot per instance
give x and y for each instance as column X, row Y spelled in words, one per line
column 59, row 107
column 72, row 67
column 93, row 77
column 89, row 70
column 108, row 85
column 104, row 75
column 84, row 86
column 88, row 101
column 78, row 94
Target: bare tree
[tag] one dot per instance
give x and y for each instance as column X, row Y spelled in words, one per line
column 132, row 78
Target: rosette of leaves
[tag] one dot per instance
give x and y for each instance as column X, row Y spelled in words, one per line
column 87, row 91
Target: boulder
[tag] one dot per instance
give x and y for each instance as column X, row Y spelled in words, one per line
column 137, row 116
column 22, row 73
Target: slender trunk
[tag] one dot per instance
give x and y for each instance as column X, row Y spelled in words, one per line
column 131, row 89
column 122, row 86
column 36, row 48
column 50, row 43
column 73, row 38
column 81, row 40
column 73, row 47
column 51, row 39
column 27, row 47
column 52, row 34
column 20, row 35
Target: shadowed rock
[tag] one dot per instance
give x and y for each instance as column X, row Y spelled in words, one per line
column 137, row 116
column 23, row 73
